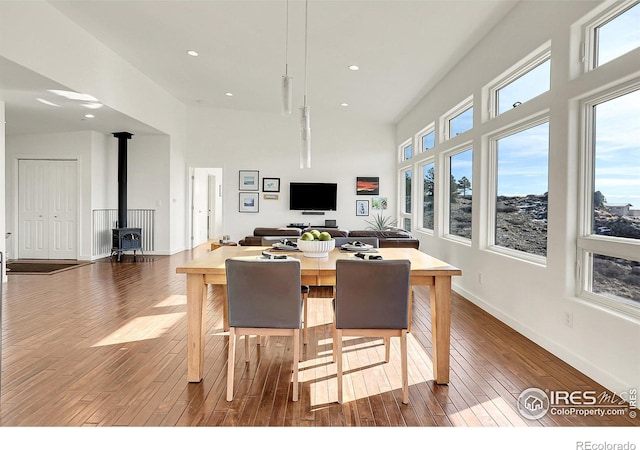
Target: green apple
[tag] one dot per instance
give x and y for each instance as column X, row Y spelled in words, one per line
column 307, row 237
column 315, row 233
column 324, row 236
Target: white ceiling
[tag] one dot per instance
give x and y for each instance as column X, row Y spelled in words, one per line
column 402, row 47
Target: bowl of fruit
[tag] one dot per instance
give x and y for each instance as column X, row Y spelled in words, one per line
column 316, row 244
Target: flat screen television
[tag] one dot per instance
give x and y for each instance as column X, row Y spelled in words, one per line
column 313, row 196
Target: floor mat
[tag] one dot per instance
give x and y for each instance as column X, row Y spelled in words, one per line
column 42, row 267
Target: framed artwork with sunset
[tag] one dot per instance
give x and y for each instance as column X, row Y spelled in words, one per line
column 367, row 185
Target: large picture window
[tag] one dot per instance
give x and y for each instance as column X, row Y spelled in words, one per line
column 459, row 193
column 616, row 172
column 522, row 180
column 406, row 177
column 428, row 187
column 611, row 183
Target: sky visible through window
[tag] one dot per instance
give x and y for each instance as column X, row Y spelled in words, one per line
column 617, row 149
column 619, row 36
column 523, row 160
column 529, row 85
column 461, row 123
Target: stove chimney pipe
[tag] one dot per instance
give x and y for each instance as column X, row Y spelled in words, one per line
column 122, row 137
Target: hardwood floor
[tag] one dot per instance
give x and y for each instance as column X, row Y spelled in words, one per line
column 105, row 345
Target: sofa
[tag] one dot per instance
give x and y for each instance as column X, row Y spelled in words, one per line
column 391, row 237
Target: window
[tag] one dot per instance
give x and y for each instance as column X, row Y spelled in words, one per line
column 406, row 150
column 528, row 85
column 461, row 123
column 521, row 197
column 615, row 278
column 617, row 35
column 428, row 185
column 459, row 193
column 406, row 177
column 458, row 120
column 616, row 172
column 427, row 138
column 527, row 79
column 610, row 242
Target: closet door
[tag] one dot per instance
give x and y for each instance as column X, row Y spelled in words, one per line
column 47, row 209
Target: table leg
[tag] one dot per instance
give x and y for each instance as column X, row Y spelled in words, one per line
column 196, row 318
column 440, row 299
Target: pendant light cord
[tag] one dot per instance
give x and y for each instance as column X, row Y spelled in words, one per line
column 286, row 44
column 306, row 16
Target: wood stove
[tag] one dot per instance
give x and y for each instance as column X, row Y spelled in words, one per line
column 124, row 238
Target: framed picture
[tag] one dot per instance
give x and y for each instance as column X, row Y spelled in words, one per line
column 270, row 196
column 379, row 203
column 249, row 202
column 362, row 207
column 271, row 185
column 367, row 186
column 249, row 180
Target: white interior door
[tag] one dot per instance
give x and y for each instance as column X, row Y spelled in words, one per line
column 47, row 209
column 33, row 212
column 200, row 207
column 63, row 210
column 213, row 222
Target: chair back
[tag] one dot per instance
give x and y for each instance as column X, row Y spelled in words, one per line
column 263, row 293
column 365, row 240
column 372, row 294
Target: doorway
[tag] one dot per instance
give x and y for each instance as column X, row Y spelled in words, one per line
column 206, row 205
column 47, row 209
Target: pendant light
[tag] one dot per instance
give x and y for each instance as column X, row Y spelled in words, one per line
column 305, row 118
column 287, row 85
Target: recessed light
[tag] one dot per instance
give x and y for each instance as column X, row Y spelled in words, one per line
column 47, row 102
column 74, row 95
column 354, row 67
column 93, row 105
column 344, row 104
column 228, row 94
column 192, row 53
column 89, row 116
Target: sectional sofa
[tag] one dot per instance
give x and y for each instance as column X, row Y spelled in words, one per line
column 392, row 237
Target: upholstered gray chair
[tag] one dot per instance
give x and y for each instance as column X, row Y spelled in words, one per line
column 372, row 300
column 264, row 299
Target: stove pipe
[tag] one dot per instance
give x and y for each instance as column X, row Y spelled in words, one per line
column 122, row 137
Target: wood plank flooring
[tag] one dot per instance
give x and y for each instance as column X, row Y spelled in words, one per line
column 105, row 345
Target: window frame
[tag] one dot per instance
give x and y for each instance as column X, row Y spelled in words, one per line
column 402, row 213
column 536, row 58
column 446, row 118
column 588, row 242
column 431, row 128
column 420, row 224
column 588, row 50
column 401, row 150
column 443, row 179
column 492, row 186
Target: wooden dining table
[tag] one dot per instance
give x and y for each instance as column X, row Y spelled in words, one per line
column 210, row 269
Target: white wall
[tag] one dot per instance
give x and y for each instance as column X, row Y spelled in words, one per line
column 61, row 50
column 532, row 298
column 3, row 248
column 342, row 149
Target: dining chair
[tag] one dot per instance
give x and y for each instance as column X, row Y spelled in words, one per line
column 372, row 300
column 264, row 299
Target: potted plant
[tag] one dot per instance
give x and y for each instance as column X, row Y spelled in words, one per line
column 381, row 222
